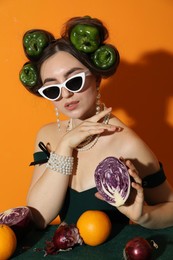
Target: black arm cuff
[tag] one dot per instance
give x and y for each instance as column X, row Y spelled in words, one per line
column 155, row 179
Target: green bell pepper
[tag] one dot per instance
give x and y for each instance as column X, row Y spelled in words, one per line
column 28, row 75
column 104, row 57
column 34, row 42
column 85, row 38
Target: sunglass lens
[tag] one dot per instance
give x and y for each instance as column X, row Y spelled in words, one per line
column 52, row 92
column 74, row 84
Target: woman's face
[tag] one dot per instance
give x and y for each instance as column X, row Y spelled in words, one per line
column 60, row 67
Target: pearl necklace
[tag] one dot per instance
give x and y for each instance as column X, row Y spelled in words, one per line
column 88, row 143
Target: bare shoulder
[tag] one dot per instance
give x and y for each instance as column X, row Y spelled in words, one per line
column 134, row 148
column 49, row 133
column 47, row 128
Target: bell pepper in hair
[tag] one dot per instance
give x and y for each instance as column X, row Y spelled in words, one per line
column 104, row 57
column 28, row 75
column 85, row 38
column 34, row 41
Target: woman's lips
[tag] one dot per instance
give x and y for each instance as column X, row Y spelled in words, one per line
column 71, row 105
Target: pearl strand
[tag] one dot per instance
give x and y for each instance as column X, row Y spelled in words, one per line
column 61, row 164
column 92, row 143
column 88, row 143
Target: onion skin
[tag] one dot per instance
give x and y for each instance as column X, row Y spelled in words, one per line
column 138, row 248
column 19, row 219
column 113, row 181
column 65, row 238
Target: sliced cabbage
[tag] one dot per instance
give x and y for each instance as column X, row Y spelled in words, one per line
column 113, row 181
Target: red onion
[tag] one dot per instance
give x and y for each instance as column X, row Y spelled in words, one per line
column 138, row 249
column 113, row 181
column 19, row 219
column 65, row 238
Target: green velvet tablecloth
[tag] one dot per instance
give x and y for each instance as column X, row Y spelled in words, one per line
column 33, row 244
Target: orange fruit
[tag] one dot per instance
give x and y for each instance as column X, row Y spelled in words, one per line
column 8, row 242
column 94, row 227
column 56, row 221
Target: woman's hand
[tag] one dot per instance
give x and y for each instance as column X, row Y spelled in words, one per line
column 133, row 208
column 89, row 127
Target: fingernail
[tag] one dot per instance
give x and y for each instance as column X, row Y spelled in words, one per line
column 118, row 128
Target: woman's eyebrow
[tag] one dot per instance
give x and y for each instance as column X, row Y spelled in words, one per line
column 72, row 70
column 48, row 79
column 65, row 75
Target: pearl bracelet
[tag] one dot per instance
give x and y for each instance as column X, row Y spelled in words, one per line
column 61, row 164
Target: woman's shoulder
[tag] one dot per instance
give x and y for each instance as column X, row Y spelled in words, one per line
column 47, row 127
column 129, row 138
column 52, row 126
column 49, row 133
column 133, row 147
column 126, row 131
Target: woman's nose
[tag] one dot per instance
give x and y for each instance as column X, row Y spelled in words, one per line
column 65, row 93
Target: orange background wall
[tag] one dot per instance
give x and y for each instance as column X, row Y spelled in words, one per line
column 141, row 92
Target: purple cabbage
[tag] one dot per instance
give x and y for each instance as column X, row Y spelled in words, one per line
column 19, row 219
column 113, row 181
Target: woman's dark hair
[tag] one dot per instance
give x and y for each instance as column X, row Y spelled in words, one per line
column 64, row 44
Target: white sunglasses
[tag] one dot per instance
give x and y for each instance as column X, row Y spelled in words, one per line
column 73, row 84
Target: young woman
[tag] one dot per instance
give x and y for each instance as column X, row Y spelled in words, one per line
column 68, row 72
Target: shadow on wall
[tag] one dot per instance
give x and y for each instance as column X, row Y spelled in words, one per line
column 143, row 90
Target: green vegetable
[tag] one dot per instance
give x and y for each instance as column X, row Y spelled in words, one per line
column 85, row 38
column 28, row 75
column 104, row 57
column 34, row 42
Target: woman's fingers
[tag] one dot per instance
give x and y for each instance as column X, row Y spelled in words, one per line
column 91, row 127
column 137, row 184
column 100, row 115
column 94, row 128
column 99, row 196
column 100, row 127
column 133, row 172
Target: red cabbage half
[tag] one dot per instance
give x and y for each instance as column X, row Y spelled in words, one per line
column 113, row 181
column 19, row 219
